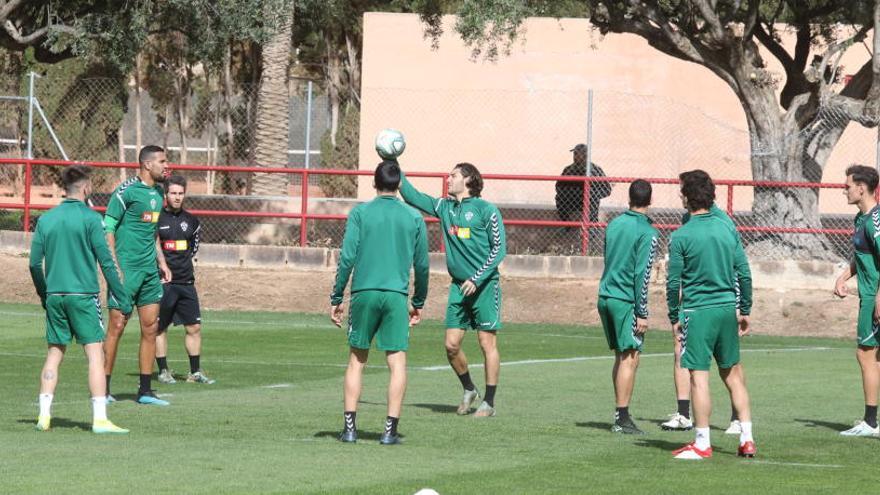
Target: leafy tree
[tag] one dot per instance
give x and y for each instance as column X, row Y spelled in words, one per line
column 792, row 134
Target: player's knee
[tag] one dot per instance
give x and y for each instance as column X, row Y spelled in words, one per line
column 194, row 329
column 452, row 348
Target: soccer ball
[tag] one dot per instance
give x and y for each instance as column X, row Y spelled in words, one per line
column 390, row 144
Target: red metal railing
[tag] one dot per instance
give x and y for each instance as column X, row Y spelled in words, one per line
column 304, row 215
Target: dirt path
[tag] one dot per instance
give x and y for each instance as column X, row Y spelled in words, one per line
column 795, row 312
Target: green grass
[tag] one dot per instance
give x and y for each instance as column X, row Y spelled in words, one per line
column 551, row 434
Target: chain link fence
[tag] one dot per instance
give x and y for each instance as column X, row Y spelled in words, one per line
column 502, row 132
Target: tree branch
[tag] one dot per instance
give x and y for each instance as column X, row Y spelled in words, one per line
column 711, row 17
column 773, row 47
column 751, row 20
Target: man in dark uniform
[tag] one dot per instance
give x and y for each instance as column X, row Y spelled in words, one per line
column 570, row 194
column 179, row 233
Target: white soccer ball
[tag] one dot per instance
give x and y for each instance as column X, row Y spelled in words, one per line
column 390, row 144
column 426, row 491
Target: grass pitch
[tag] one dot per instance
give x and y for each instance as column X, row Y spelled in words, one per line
column 269, row 424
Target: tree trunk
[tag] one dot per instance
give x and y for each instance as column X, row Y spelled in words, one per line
column 334, row 76
column 273, row 101
column 783, row 152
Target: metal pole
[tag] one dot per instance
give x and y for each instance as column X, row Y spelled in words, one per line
column 588, row 171
column 39, row 107
column 589, row 132
column 308, row 145
column 30, row 142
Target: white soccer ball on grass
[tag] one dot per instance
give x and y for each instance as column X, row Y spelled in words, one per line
column 390, row 143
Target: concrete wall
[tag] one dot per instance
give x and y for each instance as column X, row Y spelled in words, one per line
column 766, row 274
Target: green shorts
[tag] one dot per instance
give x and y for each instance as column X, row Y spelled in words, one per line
column 144, row 287
column 709, row 332
column 74, row 315
column 867, row 329
column 381, row 314
column 479, row 311
column 619, row 321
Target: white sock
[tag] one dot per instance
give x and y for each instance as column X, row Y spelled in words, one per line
column 702, row 441
column 746, row 435
column 99, row 408
column 46, row 404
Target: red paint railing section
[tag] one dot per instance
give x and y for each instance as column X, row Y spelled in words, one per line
column 304, row 215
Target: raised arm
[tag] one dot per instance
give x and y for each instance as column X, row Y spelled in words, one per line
column 419, row 200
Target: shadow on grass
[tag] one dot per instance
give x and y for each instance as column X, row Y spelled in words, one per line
column 438, row 408
column 362, row 435
column 596, row 425
column 61, row 423
column 670, row 446
column 815, row 423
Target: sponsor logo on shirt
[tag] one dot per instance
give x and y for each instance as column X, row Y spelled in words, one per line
column 150, row 216
column 175, row 245
column 460, row 232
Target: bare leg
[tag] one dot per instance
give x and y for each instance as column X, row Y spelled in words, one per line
column 489, row 346
column 681, row 376
column 396, row 383
column 454, row 354
column 161, row 344
column 114, row 333
column 735, row 382
column 624, row 376
column 193, row 339
column 149, row 316
column 700, row 398
column 97, row 383
column 351, row 388
column 49, row 375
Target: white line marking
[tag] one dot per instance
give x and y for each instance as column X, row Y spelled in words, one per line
column 279, row 385
column 603, row 358
column 797, row 464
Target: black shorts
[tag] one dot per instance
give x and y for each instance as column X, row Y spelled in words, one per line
column 180, row 305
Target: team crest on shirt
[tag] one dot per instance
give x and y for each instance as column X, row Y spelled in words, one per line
column 184, row 226
column 153, row 204
column 468, row 216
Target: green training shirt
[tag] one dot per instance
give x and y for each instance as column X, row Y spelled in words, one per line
column 630, row 249
column 740, row 261
column 702, row 265
column 71, row 237
column 473, row 233
column 136, row 207
column 867, row 253
column 383, row 239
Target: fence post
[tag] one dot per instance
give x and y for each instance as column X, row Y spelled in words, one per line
column 730, row 201
column 30, row 142
column 308, row 146
column 27, row 197
column 585, row 218
column 303, row 231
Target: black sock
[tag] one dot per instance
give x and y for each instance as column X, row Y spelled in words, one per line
column 145, row 384
column 733, row 415
column 391, row 425
column 194, row 364
column 350, row 420
column 490, row 395
column 162, row 362
column 871, row 415
column 622, row 413
column 684, row 408
column 465, row 380
column 108, row 384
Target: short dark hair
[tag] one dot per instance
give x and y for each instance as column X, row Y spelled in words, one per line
column 73, row 176
column 148, row 151
column 175, row 180
column 698, row 188
column 640, row 193
column 473, row 178
column 864, row 175
column 387, row 176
